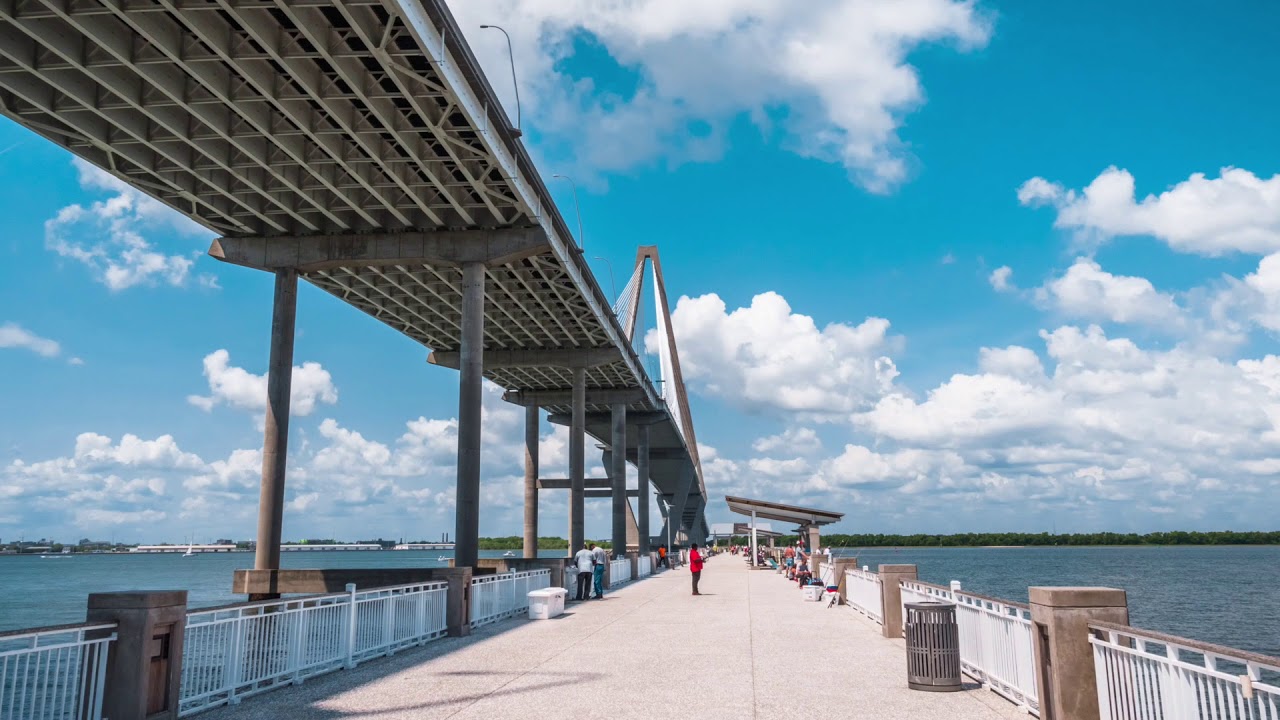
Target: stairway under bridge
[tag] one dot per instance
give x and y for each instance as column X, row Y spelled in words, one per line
column 357, row 145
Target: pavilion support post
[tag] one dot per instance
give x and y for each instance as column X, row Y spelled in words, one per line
column 577, row 461
column 642, row 482
column 275, row 436
column 813, row 548
column 471, row 374
column 619, row 478
column 754, row 540
column 531, row 418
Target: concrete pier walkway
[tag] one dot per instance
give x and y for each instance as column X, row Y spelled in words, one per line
column 747, row 648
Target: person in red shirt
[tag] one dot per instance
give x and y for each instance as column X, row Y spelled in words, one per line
column 695, row 566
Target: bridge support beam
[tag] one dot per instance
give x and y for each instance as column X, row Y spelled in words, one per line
column 577, row 461
column 619, row 477
column 642, row 477
column 531, row 417
column 275, row 436
column 471, row 374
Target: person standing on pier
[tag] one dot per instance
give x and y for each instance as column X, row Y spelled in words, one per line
column 584, row 561
column 695, row 566
column 601, row 559
column 662, row 557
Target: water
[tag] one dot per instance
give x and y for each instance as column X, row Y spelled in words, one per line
column 1224, row 595
column 1219, row 594
column 36, row 591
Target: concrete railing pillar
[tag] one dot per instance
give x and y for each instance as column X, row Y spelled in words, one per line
column 1060, row 618
column 144, row 668
column 891, row 597
column 839, row 565
column 457, row 613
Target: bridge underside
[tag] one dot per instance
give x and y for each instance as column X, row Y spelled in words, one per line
column 354, row 144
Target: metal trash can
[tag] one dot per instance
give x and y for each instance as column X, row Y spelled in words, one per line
column 933, row 646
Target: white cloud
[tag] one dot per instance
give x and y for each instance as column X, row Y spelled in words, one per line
column 239, row 388
column 798, row 440
column 109, row 236
column 766, row 357
column 1087, row 291
column 999, row 278
column 13, row 335
column 834, row 79
column 1234, row 212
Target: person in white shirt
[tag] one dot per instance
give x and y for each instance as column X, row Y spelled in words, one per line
column 584, row 561
column 601, row 559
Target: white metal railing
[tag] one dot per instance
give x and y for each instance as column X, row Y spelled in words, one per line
column 240, row 650
column 645, row 566
column 55, row 673
column 1143, row 674
column 997, row 647
column 995, row 639
column 495, row 597
column 862, row 590
column 619, row 571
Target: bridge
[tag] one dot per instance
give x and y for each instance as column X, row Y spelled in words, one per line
column 356, row 145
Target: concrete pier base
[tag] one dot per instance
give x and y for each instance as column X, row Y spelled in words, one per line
column 577, row 461
column 144, row 670
column 891, row 596
column 1065, row 672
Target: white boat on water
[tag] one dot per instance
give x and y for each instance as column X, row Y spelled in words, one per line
column 190, row 550
column 509, row 553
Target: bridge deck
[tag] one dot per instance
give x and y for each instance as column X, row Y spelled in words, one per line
column 748, row 648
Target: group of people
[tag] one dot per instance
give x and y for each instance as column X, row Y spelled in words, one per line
column 796, row 563
column 590, row 562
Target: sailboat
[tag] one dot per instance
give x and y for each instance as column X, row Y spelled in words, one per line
column 190, row 550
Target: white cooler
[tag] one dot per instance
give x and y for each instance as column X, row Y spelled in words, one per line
column 813, row 592
column 547, row 603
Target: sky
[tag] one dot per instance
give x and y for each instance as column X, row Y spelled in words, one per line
column 942, row 266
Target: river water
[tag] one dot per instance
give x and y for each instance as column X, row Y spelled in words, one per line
column 1225, row 595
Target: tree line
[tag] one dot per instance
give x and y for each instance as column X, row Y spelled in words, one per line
column 1175, row 537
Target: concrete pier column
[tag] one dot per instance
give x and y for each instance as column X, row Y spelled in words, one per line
column 1065, row 674
column 470, row 376
column 891, row 597
column 814, row 541
column 144, row 669
column 531, row 418
column 618, row 475
column 457, row 612
column 754, row 540
column 577, row 460
column 275, row 436
column 642, row 482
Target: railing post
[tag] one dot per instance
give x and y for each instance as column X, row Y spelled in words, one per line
column 144, row 668
column 891, row 597
column 458, row 600
column 1065, row 675
column 351, row 626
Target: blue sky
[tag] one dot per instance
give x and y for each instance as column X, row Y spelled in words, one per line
column 836, row 195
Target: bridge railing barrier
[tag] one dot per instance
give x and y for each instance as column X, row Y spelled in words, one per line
column 619, row 571
column 240, row 650
column 996, row 639
column 645, row 565
column 1146, row 674
column 55, row 672
column 862, row 589
column 496, row 597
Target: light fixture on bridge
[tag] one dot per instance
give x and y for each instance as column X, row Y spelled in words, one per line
column 577, row 209
column 511, row 56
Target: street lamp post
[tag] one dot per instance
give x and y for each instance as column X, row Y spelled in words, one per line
column 612, row 285
column 511, row 56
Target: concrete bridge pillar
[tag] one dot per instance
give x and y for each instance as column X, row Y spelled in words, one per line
column 642, row 478
column 470, row 390
column 144, row 668
column 275, row 436
column 531, row 419
column 577, row 460
column 618, row 476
